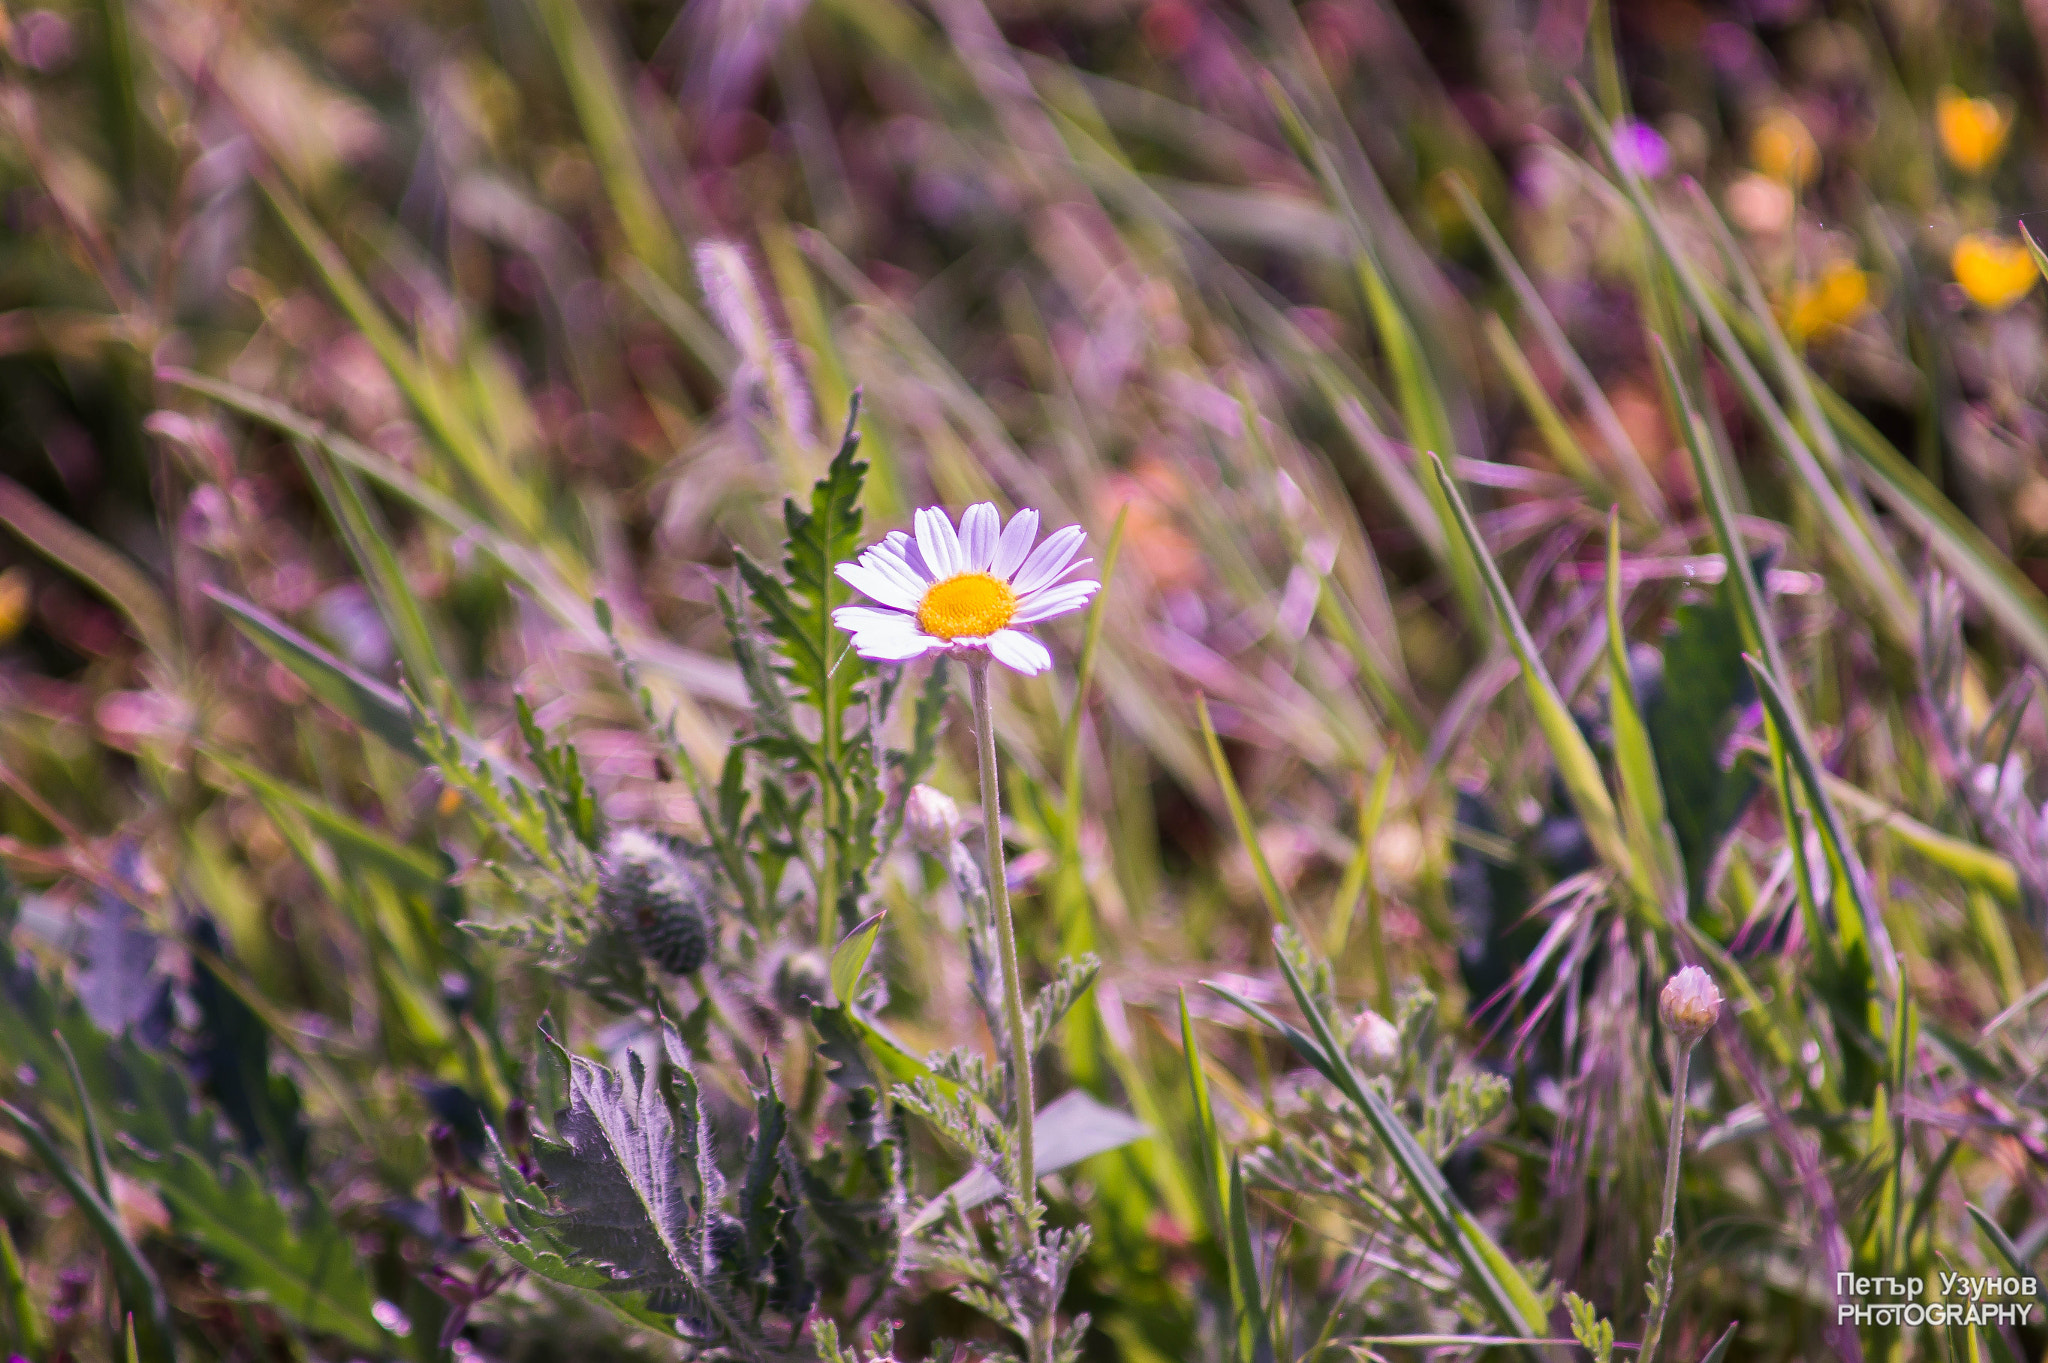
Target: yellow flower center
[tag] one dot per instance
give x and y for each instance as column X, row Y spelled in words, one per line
column 1996, row 273
column 970, row 606
column 1972, row 130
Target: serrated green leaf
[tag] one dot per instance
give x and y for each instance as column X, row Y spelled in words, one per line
column 311, row 1273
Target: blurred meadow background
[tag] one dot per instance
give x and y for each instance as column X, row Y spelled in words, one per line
column 352, row 352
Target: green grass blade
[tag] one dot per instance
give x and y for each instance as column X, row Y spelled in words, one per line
column 1646, row 498
column 1506, row 1292
column 1421, row 401
column 439, row 411
column 1208, row 1141
column 26, row 1331
column 1550, row 423
column 2005, row 593
column 607, row 123
column 142, row 1295
column 1751, row 611
column 370, row 703
column 2008, row 1251
column 93, row 563
column 1835, row 840
column 1254, row 1328
column 372, row 546
column 1851, row 537
column 1277, row 902
column 1576, row 765
column 1650, row 837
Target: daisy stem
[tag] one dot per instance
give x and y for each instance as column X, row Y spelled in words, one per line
column 1006, row 933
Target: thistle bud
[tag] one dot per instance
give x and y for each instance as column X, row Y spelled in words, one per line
column 802, row 978
column 932, row 819
column 665, row 905
column 1690, row 1005
column 1375, row 1044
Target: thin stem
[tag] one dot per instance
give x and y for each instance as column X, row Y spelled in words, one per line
column 1006, row 933
column 1673, row 1146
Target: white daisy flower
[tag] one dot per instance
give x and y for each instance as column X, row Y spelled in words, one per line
column 942, row 590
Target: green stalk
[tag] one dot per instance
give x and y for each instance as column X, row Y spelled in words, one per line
column 1013, row 984
column 1667, row 1226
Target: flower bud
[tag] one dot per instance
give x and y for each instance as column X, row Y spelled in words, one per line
column 1690, row 1005
column 1375, row 1044
column 802, row 978
column 932, row 819
column 445, row 1147
column 518, row 1125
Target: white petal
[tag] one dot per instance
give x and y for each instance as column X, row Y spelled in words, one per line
column 898, row 647
column 1014, row 648
column 884, row 589
column 979, row 527
column 861, row 619
column 907, row 548
column 940, row 545
column 1050, row 559
column 1015, row 544
column 896, row 570
column 1047, row 602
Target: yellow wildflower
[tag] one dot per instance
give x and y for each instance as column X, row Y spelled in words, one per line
column 1995, row 271
column 1836, row 298
column 1783, row 149
column 1972, row 130
column 15, row 602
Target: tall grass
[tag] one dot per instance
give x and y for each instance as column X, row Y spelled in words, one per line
column 1522, row 579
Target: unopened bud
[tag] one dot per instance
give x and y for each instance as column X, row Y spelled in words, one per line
column 932, row 819
column 447, row 1150
column 1690, row 1005
column 1375, row 1043
column 518, row 1125
column 802, row 978
column 449, row 1207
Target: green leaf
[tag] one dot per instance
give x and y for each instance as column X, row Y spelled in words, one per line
column 850, row 957
column 311, row 1273
column 1701, row 690
column 1720, row 1349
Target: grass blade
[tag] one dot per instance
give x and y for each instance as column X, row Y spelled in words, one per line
column 1277, row 902
column 370, row 703
column 91, row 562
column 1650, row 837
column 141, row 1293
column 1647, row 497
column 1576, row 765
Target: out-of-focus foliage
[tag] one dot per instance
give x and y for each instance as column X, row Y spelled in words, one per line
column 1569, row 482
